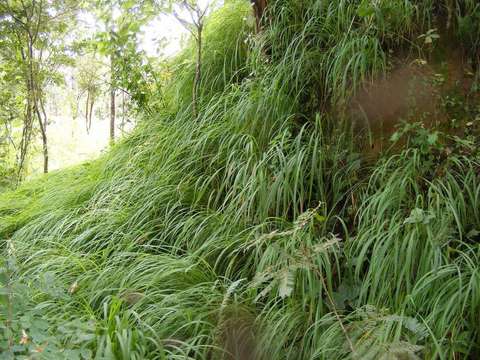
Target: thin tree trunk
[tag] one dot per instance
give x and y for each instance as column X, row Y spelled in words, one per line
column 259, row 7
column 25, row 141
column 42, row 122
column 44, row 136
column 87, row 127
column 112, row 115
column 112, row 103
column 8, row 131
column 28, row 119
column 43, row 132
column 198, row 73
column 123, row 112
column 92, row 101
column 450, row 10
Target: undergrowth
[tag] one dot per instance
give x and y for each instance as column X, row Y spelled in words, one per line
column 257, row 230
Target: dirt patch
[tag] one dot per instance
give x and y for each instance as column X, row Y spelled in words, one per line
column 413, row 91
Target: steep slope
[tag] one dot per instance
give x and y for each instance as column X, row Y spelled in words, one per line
column 264, row 228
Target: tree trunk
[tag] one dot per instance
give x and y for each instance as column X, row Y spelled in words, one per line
column 112, row 103
column 198, row 73
column 87, row 127
column 92, row 101
column 28, row 119
column 122, row 126
column 25, row 141
column 43, row 131
column 44, row 136
column 112, row 115
column 259, row 7
column 450, row 12
column 42, row 122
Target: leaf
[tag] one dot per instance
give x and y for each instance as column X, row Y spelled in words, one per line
column 260, row 278
column 410, row 323
column 473, row 233
column 365, row 9
column 401, row 350
column 83, row 337
column 86, row 353
column 395, row 136
column 128, row 4
column 286, row 283
column 73, row 288
column 418, row 216
column 432, row 138
column 26, row 320
column 345, row 293
column 72, row 354
column 18, row 348
column 40, row 324
column 264, row 292
column 327, row 245
column 415, row 327
column 132, row 297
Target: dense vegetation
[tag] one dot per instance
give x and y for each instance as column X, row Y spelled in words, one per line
column 267, row 227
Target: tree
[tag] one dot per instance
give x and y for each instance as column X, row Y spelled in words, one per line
column 11, row 100
column 259, row 7
column 34, row 31
column 90, row 80
column 118, row 41
column 195, row 26
column 112, row 99
column 11, row 97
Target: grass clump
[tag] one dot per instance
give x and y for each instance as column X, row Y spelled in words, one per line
column 257, row 230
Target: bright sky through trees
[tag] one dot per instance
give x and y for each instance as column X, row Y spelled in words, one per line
column 162, row 37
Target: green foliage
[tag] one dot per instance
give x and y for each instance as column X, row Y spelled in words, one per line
column 33, row 47
column 258, row 228
column 469, row 28
column 223, row 60
column 119, row 42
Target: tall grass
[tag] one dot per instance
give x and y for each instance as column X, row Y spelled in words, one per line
column 256, row 231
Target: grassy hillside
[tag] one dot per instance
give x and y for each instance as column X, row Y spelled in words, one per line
column 268, row 227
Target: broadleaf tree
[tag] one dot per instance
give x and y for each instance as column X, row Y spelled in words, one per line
column 34, row 41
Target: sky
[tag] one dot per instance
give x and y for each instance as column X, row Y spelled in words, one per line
column 166, row 26
column 163, row 27
column 163, row 35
